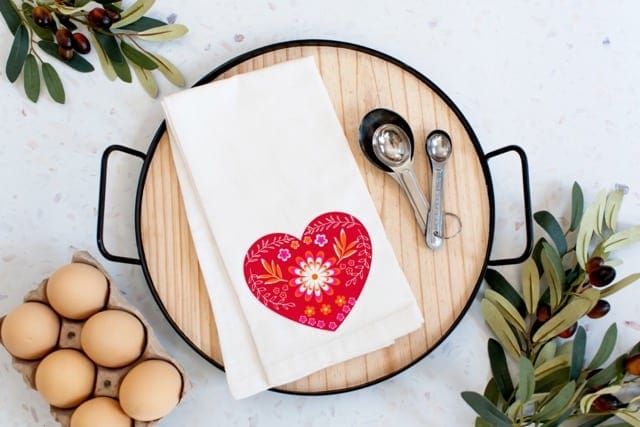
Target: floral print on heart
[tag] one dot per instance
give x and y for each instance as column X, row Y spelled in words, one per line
column 314, row 280
column 314, row 276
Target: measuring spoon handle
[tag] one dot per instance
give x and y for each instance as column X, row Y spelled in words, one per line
column 408, row 181
column 435, row 219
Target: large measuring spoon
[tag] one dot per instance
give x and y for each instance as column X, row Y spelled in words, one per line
column 387, row 142
column 439, row 148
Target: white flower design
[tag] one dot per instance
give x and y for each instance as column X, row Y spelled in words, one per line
column 315, row 276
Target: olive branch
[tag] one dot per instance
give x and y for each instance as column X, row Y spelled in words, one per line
column 55, row 28
column 568, row 276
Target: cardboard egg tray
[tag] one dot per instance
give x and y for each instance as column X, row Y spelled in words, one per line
column 107, row 380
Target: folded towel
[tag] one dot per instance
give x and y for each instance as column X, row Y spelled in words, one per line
column 295, row 259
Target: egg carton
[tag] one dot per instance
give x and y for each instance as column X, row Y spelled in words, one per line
column 107, row 380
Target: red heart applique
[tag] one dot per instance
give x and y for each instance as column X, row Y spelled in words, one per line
column 316, row 279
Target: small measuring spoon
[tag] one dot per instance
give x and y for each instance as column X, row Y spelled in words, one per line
column 439, row 149
column 387, row 142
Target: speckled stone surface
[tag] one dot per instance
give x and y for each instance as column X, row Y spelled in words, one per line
column 557, row 78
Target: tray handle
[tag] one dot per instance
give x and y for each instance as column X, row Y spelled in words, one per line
column 526, row 195
column 101, row 201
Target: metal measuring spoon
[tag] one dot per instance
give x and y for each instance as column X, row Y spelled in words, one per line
column 439, row 149
column 387, row 142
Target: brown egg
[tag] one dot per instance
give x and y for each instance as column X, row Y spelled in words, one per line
column 113, row 338
column 76, row 291
column 100, row 412
column 150, row 390
column 30, row 330
column 65, row 378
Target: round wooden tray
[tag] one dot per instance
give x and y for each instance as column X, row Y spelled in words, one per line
column 358, row 80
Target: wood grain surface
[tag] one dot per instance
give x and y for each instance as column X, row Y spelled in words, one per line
column 443, row 281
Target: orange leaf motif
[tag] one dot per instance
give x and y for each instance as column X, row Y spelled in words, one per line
column 343, row 249
column 274, row 273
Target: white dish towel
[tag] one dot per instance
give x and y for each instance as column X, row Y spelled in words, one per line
column 296, row 262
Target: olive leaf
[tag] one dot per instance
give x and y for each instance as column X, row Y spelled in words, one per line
column 31, row 78
column 500, row 327
column 133, row 13
column 552, row 266
column 527, row 383
column 556, row 405
column 491, row 392
column 113, row 52
column 146, row 79
column 514, row 409
column 535, row 254
column 577, row 307
column 110, row 46
column 139, row 58
column 10, row 15
column 566, row 349
column 499, row 369
column 621, row 239
column 53, row 83
column 551, row 366
column 77, row 62
column 546, row 353
column 554, row 380
column 600, row 205
column 144, row 23
column 577, row 206
column 18, row 53
column 592, row 296
column 507, row 310
column 577, row 353
column 591, row 223
column 169, row 70
column 561, row 419
column 487, row 410
column 480, row 422
column 549, row 223
column 578, row 279
column 623, row 283
column 630, row 417
column 105, row 62
column 612, row 208
column 123, row 71
column 164, row 33
column 614, row 370
column 530, row 285
column 606, row 347
column 591, row 420
column 498, row 283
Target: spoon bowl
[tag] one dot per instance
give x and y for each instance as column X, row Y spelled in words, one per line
column 371, row 122
column 391, row 145
column 438, row 146
column 387, row 141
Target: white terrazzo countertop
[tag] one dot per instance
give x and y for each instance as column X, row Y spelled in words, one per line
column 561, row 79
